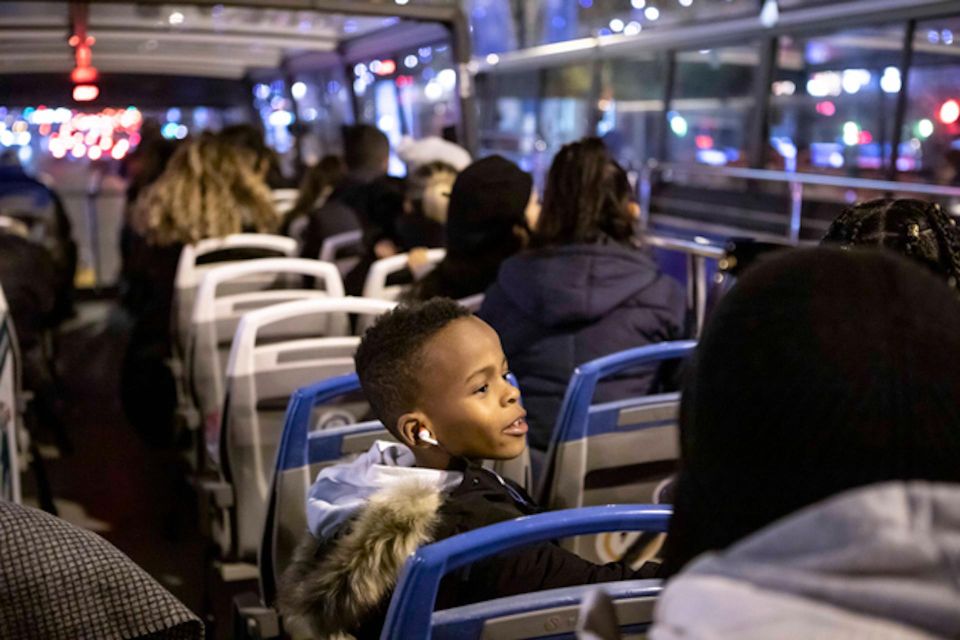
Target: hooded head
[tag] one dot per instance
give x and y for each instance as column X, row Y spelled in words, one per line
column 487, row 205
column 821, row 371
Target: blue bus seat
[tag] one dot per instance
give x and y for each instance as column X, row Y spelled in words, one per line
column 315, row 437
column 411, row 616
column 614, row 452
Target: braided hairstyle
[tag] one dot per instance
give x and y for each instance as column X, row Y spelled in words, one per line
column 917, row 229
column 586, row 199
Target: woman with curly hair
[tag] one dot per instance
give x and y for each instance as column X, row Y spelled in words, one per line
column 209, row 189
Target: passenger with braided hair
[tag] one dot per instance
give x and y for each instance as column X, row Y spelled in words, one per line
column 210, row 188
column 917, row 229
column 584, row 290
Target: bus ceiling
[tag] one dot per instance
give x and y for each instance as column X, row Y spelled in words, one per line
column 149, row 49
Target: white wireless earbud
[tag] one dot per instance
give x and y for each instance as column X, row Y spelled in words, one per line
column 425, row 436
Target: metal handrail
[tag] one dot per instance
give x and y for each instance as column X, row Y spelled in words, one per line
column 795, row 181
column 771, row 175
column 703, row 250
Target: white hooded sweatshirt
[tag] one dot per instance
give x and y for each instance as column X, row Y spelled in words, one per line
column 339, row 491
column 882, row 562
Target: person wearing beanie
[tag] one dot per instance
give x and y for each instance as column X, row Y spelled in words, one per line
column 584, row 290
column 823, row 371
column 492, row 204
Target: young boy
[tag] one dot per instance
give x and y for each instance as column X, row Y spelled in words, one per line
column 437, row 378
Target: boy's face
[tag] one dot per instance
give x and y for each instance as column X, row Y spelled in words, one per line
column 470, row 407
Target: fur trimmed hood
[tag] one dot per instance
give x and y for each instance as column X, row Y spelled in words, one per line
column 331, row 586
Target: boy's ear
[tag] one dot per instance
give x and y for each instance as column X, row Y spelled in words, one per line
column 409, row 426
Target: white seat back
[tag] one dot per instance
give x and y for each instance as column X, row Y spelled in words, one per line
column 9, row 410
column 261, row 376
column 284, row 199
column 473, row 303
column 189, row 273
column 335, row 243
column 375, row 285
column 215, row 319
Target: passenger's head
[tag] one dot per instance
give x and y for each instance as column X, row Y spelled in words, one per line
column 209, row 189
column 318, row 183
column 428, row 190
column 433, row 371
column 917, row 229
column 487, row 211
column 365, row 148
column 250, row 138
column 822, row 370
column 587, row 198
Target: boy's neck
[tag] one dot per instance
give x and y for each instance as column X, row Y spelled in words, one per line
column 436, row 458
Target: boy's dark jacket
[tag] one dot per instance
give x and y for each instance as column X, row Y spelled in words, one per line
column 343, row 588
column 556, row 308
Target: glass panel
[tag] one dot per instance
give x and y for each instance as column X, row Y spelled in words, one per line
column 323, row 106
column 557, row 20
column 508, row 115
column 528, row 116
column 564, row 113
column 413, row 93
column 631, row 107
column 492, row 25
column 834, row 99
column 712, row 105
column 930, row 149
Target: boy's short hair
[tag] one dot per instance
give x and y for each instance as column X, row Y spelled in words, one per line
column 388, row 358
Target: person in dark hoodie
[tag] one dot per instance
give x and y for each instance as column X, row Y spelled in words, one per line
column 584, row 290
column 492, row 206
column 436, row 376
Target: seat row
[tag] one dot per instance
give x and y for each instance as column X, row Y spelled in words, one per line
column 256, row 334
column 251, row 325
column 615, row 452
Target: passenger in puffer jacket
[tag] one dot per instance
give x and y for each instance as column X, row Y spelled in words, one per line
column 585, row 290
column 437, row 378
column 821, row 371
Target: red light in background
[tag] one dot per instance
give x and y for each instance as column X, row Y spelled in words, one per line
column 865, row 137
column 949, row 112
column 84, row 75
column 85, row 92
column 404, row 81
column 703, row 142
column 386, row 67
column 826, row 108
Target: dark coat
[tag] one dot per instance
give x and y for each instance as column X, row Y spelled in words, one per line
column 345, row 586
column 368, row 203
column 558, row 307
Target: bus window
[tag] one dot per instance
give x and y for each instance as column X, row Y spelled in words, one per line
column 930, row 148
column 631, row 106
column 833, row 101
column 712, row 105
